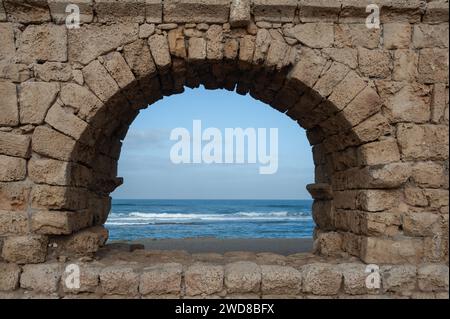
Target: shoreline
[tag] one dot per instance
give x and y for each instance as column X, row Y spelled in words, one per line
column 282, row 246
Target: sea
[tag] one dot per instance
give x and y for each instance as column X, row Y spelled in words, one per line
column 176, row 219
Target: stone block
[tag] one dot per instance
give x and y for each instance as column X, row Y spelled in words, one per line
column 401, row 278
column 48, row 142
column 10, row 110
column 161, row 279
column 12, row 168
column 319, row 11
column 321, row 279
column 423, row 142
column 240, row 15
column 430, row 36
column 58, row 10
column 433, row 66
column 66, row 122
column 315, row 35
column 380, row 152
column 280, row 280
column 9, row 277
column 119, row 280
column 11, row 222
column 35, row 100
column 203, row 279
column 388, row 251
column 396, row 36
column 27, row 11
column 196, row 11
column 242, row 277
column 45, row 42
column 159, row 47
column 90, row 41
column 27, row 249
column 433, row 277
column 99, row 81
column 274, row 11
column 42, row 278
column 59, row 222
column 89, row 279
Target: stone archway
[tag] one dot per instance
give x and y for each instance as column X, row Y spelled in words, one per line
column 374, row 103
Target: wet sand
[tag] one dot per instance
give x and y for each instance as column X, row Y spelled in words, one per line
column 280, row 246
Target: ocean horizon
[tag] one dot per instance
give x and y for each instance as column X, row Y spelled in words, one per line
column 133, row 219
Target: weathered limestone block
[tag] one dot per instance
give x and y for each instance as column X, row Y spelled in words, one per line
column 197, row 49
column 13, row 222
column 58, row 197
column 246, row 49
column 10, row 111
column 48, row 142
column 159, row 47
column 214, row 47
column 240, row 15
column 319, row 11
column 377, row 200
column 321, row 279
column 14, row 144
column 81, row 99
column 400, row 278
column 29, row 249
column 59, row 222
column 53, row 71
column 12, row 168
column 120, row 11
column 370, row 130
column 345, row 91
column 203, row 279
column 230, row 49
column 46, row 42
column 161, row 279
column 90, row 41
column 274, row 11
column 320, row 191
column 433, row 277
column 429, row 174
column 118, row 69
column 433, row 66
column 58, row 10
column 9, row 277
column 41, row 278
column 307, row 71
column 119, row 280
column 420, row 224
column 242, row 277
column 84, row 242
column 430, row 36
column 333, row 76
column 8, row 48
column 315, row 35
column 355, row 279
column 357, row 35
column 364, row 105
column 27, row 11
column 66, row 122
column 436, row 11
column 323, row 214
column 423, row 142
column 14, row 196
column 89, row 279
column 389, row 251
column 138, row 57
column 196, row 11
column 99, row 81
column 415, row 196
column 396, row 36
column 327, row 243
column 439, row 104
column 35, row 100
column 53, row 172
column 381, row 152
column 347, row 56
column 279, row 56
column 146, row 30
column 262, row 44
column 280, row 280
column 405, row 65
column 406, row 102
column 375, row 63
column 177, row 44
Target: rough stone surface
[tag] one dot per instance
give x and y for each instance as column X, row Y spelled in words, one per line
column 10, row 111
column 242, row 277
column 280, row 280
column 161, row 279
column 25, row 249
column 9, row 277
column 35, row 100
column 204, row 279
column 41, row 278
column 321, row 279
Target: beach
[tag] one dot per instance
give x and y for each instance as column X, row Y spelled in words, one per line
column 282, row 246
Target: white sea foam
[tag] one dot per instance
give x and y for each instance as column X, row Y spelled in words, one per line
column 137, row 218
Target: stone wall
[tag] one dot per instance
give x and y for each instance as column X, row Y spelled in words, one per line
column 374, row 103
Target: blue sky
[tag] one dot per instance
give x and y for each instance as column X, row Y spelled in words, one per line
column 149, row 173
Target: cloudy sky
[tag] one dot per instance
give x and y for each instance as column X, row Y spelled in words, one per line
column 149, row 172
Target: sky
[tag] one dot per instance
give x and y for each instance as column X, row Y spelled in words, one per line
column 149, row 173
